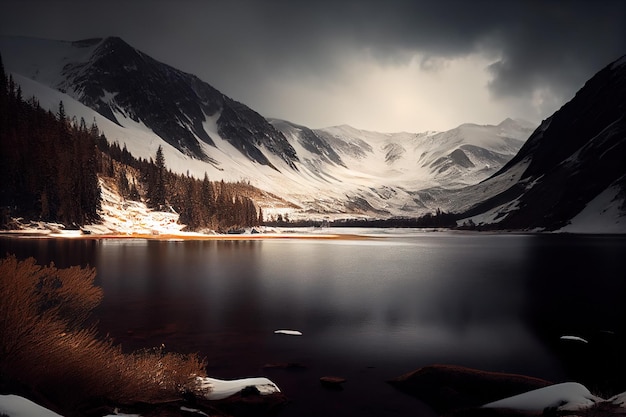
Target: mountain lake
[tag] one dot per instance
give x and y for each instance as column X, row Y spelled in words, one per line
column 368, row 309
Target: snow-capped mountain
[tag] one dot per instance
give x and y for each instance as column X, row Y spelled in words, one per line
column 143, row 103
column 570, row 171
column 120, row 82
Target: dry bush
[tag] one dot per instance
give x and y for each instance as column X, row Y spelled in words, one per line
column 45, row 346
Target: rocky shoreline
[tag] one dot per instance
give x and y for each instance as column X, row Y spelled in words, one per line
column 449, row 390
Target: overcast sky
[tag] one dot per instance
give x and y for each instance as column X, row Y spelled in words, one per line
column 377, row 65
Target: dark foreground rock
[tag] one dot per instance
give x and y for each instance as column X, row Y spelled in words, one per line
column 450, row 389
column 285, row 365
column 332, row 382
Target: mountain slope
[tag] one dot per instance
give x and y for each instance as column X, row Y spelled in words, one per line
column 575, row 156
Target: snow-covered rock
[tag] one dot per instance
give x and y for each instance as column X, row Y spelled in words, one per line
column 565, row 396
column 574, row 338
column 219, row 389
column 619, row 399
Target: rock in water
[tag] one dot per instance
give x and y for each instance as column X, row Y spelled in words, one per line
column 447, row 387
column 332, row 382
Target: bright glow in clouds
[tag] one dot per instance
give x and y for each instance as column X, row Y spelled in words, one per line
column 414, row 96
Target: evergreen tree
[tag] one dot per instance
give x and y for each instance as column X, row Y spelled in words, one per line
column 61, row 114
column 156, row 184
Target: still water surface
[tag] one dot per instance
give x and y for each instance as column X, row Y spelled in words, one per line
column 369, row 310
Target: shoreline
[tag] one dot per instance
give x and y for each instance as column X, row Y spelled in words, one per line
column 287, row 235
column 170, row 237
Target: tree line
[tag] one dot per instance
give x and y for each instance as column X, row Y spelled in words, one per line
column 201, row 204
column 47, row 164
column 438, row 219
column 50, row 167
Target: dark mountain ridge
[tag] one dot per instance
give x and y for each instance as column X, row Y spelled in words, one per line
column 572, row 157
column 120, row 80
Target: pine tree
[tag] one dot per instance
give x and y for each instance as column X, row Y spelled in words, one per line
column 156, row 184
column 61, row 114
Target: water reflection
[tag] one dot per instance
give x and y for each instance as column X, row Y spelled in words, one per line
column 389, row 305
column 579, row 286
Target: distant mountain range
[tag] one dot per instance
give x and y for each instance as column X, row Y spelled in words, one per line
column 337, row 171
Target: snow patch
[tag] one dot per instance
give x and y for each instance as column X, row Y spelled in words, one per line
column 619, row 399
column 122, row 216
column 600, row 215
column 574, row 338
column 220, row 389
column 288, row 332
column 565, row 396
column 193, row 410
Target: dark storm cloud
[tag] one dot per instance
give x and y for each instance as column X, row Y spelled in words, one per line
column 236, row 45
column 537, row 44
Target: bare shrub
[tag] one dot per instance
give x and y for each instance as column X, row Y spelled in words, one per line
column 44, row 344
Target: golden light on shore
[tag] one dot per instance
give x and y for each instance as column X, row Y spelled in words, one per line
column 175, row 237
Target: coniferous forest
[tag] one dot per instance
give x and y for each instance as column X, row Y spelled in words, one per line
column 51, row 165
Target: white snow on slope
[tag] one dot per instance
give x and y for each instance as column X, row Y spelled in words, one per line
column 386, row 169
column 601, row 215
column 122, row 216
column 565, row 396
column 467, row 197
column 413, row 166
